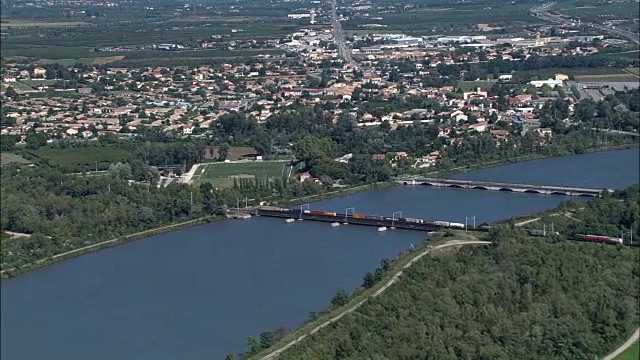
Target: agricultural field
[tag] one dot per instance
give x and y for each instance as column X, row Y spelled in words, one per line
column 446, row 17
column 8, row 158
column 222, row 174
column 31, row 34
column 80, row 159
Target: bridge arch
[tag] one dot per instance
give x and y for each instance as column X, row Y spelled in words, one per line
column 455, row 186
column 558, row 193
column 532, row 191
column 505, row 189
column 427, row 184
column 588, row 195
column 481, row 187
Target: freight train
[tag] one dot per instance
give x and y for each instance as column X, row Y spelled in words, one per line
column 597, row 238
column 407, row 220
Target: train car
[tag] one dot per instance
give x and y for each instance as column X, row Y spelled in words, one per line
column 330, row 213
column 373, row 217
column 358, row 216
column 598, row 238
column 441, row 223
column 317, row 212
column 414, row 220
column 456, row 225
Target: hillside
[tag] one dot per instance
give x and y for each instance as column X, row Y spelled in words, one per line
column 521, row 298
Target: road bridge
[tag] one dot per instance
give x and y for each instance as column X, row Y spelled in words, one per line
column 499, row 186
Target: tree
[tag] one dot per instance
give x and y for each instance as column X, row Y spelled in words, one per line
column 120, row 171
column 223, row 152
column 266, row 339
column 230, row 356
column 253, row 346
column 368, row 281
column 340, row 298
column 36, row 140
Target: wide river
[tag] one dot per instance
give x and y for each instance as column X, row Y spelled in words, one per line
column 198, row 293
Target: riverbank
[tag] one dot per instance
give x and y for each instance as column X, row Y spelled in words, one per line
column 9, row 273
column 400, row 263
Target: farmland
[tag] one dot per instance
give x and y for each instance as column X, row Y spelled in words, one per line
column 80, row 159
column 222, row 174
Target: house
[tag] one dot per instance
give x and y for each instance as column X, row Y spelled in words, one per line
column 187, row 130
column 9, row 79
column 378, row 157
column 304, row 176
column 479, row 127
column 344, row 158
column 39, row 72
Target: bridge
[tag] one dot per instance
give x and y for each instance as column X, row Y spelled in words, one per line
column 498, row 186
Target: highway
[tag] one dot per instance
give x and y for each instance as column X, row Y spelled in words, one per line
column 338, row 35
column 542, row 12
column 274, row 354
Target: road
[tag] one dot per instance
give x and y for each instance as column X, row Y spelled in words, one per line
column 542, row 12
column 624, row 346
column 618, row 132
column 275, row 353
column 338, row 36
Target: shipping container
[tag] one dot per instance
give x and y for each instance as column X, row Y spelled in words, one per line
column 358, row 216
column 441, row 223
column 307, row 211
column 317, row 212
column 456, row 225
column 331, row 213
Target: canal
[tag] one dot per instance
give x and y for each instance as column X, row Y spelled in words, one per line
column 197, row 293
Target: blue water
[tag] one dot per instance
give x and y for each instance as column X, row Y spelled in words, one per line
column 197, row 293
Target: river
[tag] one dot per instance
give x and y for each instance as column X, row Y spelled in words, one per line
column 197, row 293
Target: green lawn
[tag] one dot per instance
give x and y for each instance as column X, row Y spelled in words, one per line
column 632, row 353
column 81, row 159
column 222, row 174
column 7, row 158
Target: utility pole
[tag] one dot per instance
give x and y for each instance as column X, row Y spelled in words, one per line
column 246, row 201
column 466, row 220
column 393, row 217
column 346, row 213
column 191, row 198
column 96, row 166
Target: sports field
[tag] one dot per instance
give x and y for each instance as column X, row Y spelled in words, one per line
column 632, row 353
column 222, row 174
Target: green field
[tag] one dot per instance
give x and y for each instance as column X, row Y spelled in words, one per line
column 81, row 159
column 8, row 158
column 222, row 174
column 632, row 353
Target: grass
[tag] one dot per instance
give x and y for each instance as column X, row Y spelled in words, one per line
column 222, row 174
column 41, row 24
column 632, row 353
column 8, row 158
column 81, row 159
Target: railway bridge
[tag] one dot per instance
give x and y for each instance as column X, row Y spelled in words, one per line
column 499, row 186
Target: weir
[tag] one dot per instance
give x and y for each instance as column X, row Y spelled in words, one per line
column 498, row 186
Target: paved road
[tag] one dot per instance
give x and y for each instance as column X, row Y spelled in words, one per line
column 275, row 353
column 527, row 221
column 624, row 346
column 618, row 132
column 542, row 12
column 338, row 36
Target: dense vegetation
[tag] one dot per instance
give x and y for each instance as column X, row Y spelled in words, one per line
column 518, row 299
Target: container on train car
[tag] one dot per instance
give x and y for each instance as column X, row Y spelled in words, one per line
column 307, row 211
column 358, row 216
column 317, row 212
column 456, row 225
column 441, row 223
column 331, row 213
